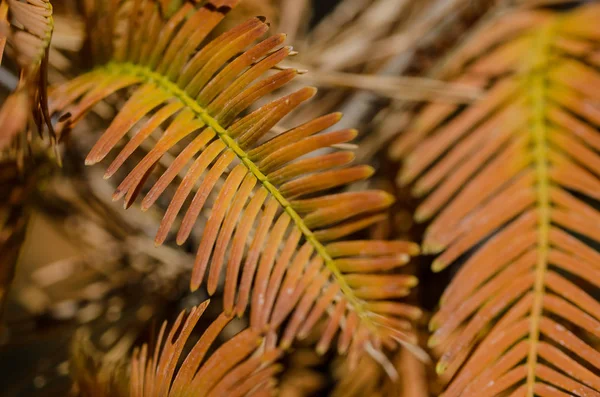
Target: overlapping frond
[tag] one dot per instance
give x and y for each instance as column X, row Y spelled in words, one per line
column 31, row 26
column 274, row 226
column 242, row 366
column 512, row 184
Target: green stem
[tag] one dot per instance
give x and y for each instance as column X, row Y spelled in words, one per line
column 536, row 79
column 165, row 84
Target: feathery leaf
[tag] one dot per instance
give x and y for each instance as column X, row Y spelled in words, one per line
column 274, row 225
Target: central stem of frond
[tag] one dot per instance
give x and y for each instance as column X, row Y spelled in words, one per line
column 536, row 82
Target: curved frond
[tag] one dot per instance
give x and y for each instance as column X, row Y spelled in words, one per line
column 512, row 185
column 274, row 227
column 239, row 367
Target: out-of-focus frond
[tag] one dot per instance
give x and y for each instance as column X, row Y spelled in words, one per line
column 32, row 31
column 31, row 27
column 369, row 379
column 301, row 377
column 511, row 184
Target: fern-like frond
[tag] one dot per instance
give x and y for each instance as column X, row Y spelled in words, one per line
column 273, row 225
column 512, row 184
column 242, row 366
